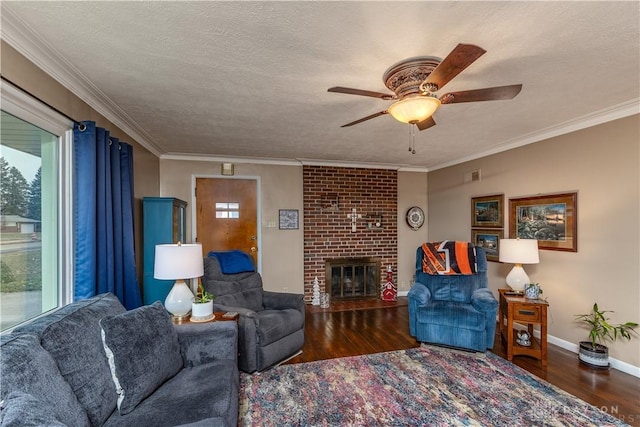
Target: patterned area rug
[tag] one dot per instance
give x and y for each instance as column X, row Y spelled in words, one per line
column 428, row 386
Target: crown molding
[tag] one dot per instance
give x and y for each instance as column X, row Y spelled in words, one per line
column 616, row 112
column 344, row 164
column 289, row 162
column 230, row 159
column 25, row 40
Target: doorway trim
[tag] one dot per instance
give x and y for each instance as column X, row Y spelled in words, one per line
column 194, row 224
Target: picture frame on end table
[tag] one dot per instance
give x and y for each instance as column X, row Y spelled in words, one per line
column 489, row 240
column 551, row 219
column 487, row 211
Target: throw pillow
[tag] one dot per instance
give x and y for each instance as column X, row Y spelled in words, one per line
column 143, row 352
column 72, row 337
column 23, row 410
column 29, row 368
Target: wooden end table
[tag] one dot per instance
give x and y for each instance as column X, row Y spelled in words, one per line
column 517, row 308
column 217, row 318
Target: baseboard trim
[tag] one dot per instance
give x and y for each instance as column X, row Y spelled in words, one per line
column 625, row 367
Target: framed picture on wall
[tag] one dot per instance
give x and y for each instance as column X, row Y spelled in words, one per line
column 288, row 219
column 487, row 211
column 489, row 240
column 550, row 219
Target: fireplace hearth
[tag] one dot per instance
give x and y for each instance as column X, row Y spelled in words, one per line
column 353, row 278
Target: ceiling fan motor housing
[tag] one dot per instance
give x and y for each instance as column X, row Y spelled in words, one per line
column 405, row 77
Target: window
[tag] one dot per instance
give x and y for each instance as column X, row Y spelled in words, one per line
column 228, row 210
column 35, row 209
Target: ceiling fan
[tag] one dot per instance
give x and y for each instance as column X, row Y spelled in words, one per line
column 414, row 82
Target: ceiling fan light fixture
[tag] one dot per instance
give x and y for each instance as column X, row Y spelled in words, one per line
column 414, row 108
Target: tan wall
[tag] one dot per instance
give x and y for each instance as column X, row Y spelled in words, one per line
column 602, row 164
column 25, row 74
column 412, row 191
column 280, row 188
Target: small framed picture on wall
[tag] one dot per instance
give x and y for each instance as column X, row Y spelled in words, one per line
column 487, row 211
column 288, row 219
column 489, row 240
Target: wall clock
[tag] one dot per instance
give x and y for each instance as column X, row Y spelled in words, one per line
column 415, row 217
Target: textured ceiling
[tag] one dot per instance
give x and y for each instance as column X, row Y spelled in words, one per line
column 250, row 79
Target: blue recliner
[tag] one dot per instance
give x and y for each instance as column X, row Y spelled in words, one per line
column 453, row 310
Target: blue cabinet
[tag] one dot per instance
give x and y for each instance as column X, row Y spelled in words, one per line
column 164, row 221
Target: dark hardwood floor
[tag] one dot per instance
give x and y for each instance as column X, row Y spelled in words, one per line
column 363, row 327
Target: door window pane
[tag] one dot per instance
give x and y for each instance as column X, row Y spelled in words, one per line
column 28, row 221
column 228, row 210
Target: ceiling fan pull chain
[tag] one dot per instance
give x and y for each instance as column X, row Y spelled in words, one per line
column 412, row 139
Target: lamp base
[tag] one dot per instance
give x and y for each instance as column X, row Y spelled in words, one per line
column 517, row 278
column 178, row 320
column 178, row 302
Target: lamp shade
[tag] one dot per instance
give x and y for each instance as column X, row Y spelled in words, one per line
column 519, row 251
column 181, row 261
column 414, row 108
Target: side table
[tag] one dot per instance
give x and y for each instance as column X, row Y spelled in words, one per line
column 517, row 308
column 216, row 318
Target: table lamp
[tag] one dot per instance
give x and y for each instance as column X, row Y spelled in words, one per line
column 518, row 252
column 178, row 262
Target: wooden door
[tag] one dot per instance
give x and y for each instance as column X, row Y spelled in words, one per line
column 227, row 215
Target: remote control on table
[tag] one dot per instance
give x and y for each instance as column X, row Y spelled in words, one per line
column 230, row 314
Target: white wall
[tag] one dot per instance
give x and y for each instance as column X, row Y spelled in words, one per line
column 601, row 163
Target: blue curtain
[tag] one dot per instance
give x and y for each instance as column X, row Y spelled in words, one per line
column 103, row 216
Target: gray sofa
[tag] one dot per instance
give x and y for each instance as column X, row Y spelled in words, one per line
column 56, row 372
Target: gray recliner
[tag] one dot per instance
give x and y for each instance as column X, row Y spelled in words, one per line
column 270, row 324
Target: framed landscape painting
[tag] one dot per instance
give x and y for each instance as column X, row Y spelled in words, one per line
column 489, row 240
column 487, row 211
column 550, row 219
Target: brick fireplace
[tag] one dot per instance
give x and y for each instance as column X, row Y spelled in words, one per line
column 330, row 196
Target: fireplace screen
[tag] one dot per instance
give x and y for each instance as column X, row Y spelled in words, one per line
column 353, row 277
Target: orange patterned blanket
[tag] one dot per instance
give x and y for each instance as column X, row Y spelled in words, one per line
column 449, row 257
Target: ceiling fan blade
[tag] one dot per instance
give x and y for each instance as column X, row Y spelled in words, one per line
column 364, row 119
column 460, row 58
column 426, row 123
column 350, row 91
column 487, row 94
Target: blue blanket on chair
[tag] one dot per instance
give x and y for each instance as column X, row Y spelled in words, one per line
column 232, row 262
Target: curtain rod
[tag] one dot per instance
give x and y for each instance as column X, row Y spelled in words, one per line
column 80, row 124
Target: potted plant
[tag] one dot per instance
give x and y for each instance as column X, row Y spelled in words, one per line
column 595, row 352
column 202, row 305
column 532, row 291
